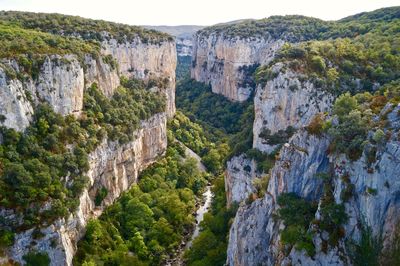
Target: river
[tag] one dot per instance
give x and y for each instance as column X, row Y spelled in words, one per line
column 207, row 195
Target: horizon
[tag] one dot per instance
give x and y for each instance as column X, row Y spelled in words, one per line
column 164, row 14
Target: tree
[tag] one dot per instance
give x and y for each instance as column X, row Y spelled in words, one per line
column 36, row 259
column 344, row 104
column 138, row 246
column 318, row 63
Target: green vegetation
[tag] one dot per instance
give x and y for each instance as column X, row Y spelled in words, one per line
column 333, row 215
column 300, row 28
column 209, row 248
column 120, row 116
column 291, row 28
column 35, row 164
column 194, row 137
column 367, row 252
column 280, row 137
column 16, row 41
column 183, row 67
column 297, row 215
column 87, row 29
column 355, row 54
column 222, row 120
column 355, row 119
column 150, row 220
column 36, row 259
column 6, row 239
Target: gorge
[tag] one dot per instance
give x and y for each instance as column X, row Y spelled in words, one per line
column 111, row 137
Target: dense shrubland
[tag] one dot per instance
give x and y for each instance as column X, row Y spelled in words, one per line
column 295, row 28
column 213, row 155
column 362, row 63
column 16, row 41
column 359, row 114
column 87, row 29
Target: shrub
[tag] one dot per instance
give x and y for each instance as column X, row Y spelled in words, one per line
column 37, row 259
column 316, row 125
column 318, row 63
column 296, row 214
column 6, row 238
column 100, row 196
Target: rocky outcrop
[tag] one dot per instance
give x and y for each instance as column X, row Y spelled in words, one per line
column 227, row 63
column 239, row 175
column 15, row 109
column 289, row 99
column 144, row 61
column 113, row 167
column 62, row 79
column 106, row 77
column 373, row 202
column 295, row 171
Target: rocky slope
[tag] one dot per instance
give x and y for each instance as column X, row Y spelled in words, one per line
column 226, row 55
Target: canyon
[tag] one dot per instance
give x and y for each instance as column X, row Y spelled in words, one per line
column 323, row 137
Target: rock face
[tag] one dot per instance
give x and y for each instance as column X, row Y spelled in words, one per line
column 239, row 175
column 254, row 236
column 113, row 167
column 145, row 60
column 294, row 172
column 226, row 63
column 15, row 108
column 61, row 82
column 62, row 79
column 286, row 101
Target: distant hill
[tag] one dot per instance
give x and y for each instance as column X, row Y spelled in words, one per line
column 182, row 31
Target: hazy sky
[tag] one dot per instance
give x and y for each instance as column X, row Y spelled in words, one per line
column 198, row 12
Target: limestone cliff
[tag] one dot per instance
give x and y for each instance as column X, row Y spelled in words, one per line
column 61, row 81
column 373, row 203
column 288, row 100
column 144, row 61
column 113, row 167
column 227, row 63
column 239, row 175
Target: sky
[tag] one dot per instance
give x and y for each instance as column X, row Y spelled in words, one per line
column 195, row 12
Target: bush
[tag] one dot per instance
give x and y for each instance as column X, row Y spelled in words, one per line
column 100, row 196
column 296, row 214
column 318, row 63
column 6, row 238
column 37, row 259
column 316, row 125
column 281, row 137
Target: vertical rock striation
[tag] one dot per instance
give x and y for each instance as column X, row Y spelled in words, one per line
column 288, row 100
column 227, row 63
column 146, row 60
